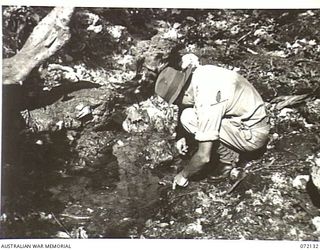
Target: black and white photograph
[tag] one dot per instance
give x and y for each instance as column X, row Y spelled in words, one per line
column 160, row 123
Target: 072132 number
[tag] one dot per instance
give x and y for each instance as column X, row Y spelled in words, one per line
column 309, row 245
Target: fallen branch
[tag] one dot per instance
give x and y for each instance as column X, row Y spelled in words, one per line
column 263, row 167
column 245, row 173
column 76, row 217
column 305, row 60
column 244, row 36
column 61, row 225
column 285, row 101
column 252, row 51
column 49, row 36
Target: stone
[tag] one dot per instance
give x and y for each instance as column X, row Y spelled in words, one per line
column 312, row 111
column 316, row 223
column 315, row 170
column 152, row 114
column 313, row 186
column 65, row 112
column 300, row 182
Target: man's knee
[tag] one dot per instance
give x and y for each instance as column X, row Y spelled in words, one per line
column 188, row 120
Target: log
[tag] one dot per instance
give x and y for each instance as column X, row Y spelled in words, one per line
column 49, row 36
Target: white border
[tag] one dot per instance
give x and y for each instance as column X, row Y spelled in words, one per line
column 174, row 244
column 233, row 4
column 164, row 244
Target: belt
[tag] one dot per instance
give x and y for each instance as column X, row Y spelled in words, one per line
column 244, row 124
column 247, row 129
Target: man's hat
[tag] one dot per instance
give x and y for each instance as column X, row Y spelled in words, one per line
column 170, row 83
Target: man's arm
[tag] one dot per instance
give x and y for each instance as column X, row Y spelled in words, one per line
column 199, row 159
column 180, row 131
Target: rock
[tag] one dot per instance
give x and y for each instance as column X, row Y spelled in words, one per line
column 315, row 169
column 66, row 112
column 275, row 136
column 199, row 210
column 285, row 112
column 154, row 52
column 79, row 233
column 316, row 223
column 83, row 112
column 55, row 74
column 194, row 228
column 234, row 174
column 116, row 31
column 300, row 182
column 163, row 224
column 137, row 119
column 3, row 217
column 313, row 186
column 152, row 114
column 311, row 111
column 160, row 152
column 63, row 235
column 92, row 148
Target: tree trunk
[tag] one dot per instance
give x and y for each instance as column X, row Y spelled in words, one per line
column 47, row 38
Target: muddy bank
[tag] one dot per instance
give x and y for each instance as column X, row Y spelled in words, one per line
column 107, row 185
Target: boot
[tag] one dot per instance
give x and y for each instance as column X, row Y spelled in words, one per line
column 223, row 172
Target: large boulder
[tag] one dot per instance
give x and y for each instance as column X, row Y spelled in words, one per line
column 154, row 114
column 312, row 111
column 86, row 107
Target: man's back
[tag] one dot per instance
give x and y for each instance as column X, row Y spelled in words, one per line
column 213, row 85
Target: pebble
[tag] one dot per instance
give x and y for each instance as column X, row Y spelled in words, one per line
column 70, row 137
column 234, row 174
column 275, row 136
column 316, row 223
column 3, row 217
column 59, row 125
column 80, row 106
column 164, row 224
column 285, row 112
column 90, row 210
column 39, row 142
column 199, row 210
column 120, row 143
column 63, row 235
column 300, row 182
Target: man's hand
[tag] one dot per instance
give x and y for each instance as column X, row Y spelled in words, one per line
column 180, row 180
column 182, row 146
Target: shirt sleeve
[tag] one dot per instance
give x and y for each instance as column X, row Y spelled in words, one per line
column 210, row 105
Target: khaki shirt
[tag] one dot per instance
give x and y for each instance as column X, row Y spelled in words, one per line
column 217, row 93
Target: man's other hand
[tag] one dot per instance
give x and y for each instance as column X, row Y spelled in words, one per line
column 182, row 146
column 179, row 180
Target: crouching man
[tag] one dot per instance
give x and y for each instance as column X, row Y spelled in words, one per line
column 223, row 111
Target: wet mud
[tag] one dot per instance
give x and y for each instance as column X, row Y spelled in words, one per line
column 112, row 196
